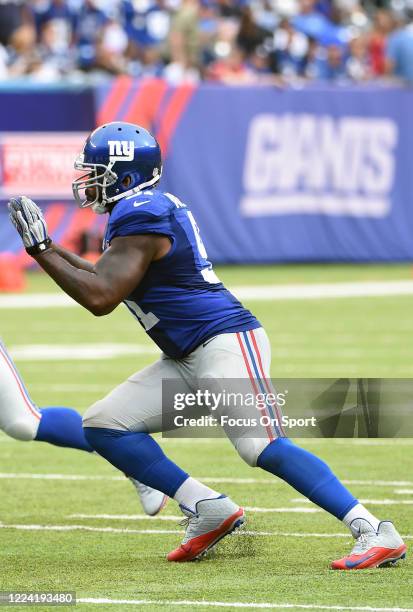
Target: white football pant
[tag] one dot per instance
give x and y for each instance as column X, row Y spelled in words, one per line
column 136, row 404
column 19, row 417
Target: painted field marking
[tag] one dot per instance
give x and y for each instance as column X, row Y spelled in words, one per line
column 323, row 290
column 67, row 352
column 372, row 502
column 209, row 479
column 88, row 528
column 379, row 483
column 126, row 517
column 75, row 527
column 74, row 477
column 231, row 604
column 169, row 517
column 243, row 292
column 403, row 491
column 36, row 300
column 282, row 510
column 370, row 441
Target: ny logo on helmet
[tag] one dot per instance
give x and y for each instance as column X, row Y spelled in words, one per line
column 121, row 150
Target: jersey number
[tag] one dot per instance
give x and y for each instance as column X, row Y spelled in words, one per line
column 147, row 319
column 208, row 274
column 199, row 243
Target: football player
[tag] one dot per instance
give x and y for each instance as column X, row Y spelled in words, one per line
column 155, row 262
column 22, row 420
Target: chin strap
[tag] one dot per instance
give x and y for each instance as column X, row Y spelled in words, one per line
column 99, row 208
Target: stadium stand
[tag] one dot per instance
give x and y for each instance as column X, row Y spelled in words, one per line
column 230, row 41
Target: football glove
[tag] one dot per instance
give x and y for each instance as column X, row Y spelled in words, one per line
column 28, row 219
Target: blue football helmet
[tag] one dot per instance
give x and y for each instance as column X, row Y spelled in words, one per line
column 111, row 153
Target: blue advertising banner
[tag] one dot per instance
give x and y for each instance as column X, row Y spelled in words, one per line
column 316, row 174
column 41, row 110
column 297, row 175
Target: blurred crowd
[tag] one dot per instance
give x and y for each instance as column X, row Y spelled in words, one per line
column 230, row 41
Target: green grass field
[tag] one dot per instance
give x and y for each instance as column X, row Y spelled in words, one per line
column 286, row 567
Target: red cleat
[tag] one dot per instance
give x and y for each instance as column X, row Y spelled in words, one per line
column 372, row 548
column 212, row 520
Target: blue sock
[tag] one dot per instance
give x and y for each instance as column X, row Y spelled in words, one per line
column 62, row 427
column 308, row 475
column 139, row 456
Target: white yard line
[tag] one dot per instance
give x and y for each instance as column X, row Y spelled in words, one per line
column 230, row 604
column 75, row 477
column 127, row 517
column 169, row 517
column 76, row 527
column 282, row 510
column 403, row 491
column 369, row 441
column 371, row 502
column 88, row 528
column 209, row 479
column 324, row 290
column 66, row 352
column 379, row 483
column 36, row 300
column 243, row 292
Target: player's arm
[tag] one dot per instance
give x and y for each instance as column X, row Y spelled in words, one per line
column 72, row 258
column 114, row 276
column 101, row 288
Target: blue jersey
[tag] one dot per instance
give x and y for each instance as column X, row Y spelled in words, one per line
column 180, row 302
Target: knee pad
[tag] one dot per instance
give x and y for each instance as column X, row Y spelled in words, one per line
column 249, row 449
column 23, row 429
